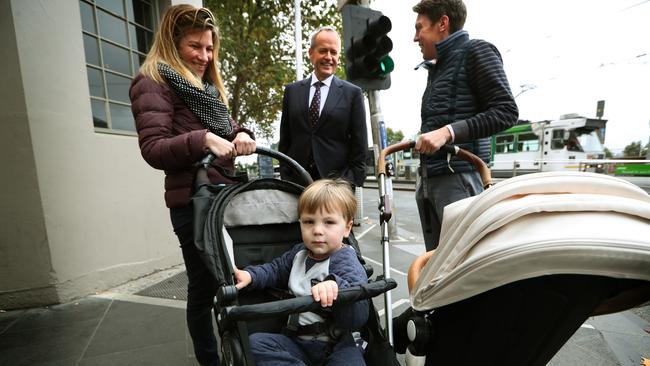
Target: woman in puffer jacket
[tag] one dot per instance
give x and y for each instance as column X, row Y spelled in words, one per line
column 180, row 109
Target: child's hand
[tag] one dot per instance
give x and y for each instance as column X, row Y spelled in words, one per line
column 242, row 279
column 325, row 292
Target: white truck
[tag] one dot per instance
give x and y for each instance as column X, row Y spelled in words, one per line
column 563, row 144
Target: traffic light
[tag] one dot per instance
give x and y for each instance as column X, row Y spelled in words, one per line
column 366, row 44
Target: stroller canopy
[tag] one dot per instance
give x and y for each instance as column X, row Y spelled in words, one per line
column 535, row 225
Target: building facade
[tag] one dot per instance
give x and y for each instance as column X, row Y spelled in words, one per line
column 80, row 210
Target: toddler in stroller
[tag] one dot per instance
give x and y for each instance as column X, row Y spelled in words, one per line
column 252, row 223
column 319, row 266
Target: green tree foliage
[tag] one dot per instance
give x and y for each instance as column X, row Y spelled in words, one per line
column 633, row 149
column 257, row 53
column 608, row 153
column 393, row 137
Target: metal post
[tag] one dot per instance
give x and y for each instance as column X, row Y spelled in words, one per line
column 375, row 118
column 647, row 153
column 385, row 241
column 358, row 193
column 298, row 26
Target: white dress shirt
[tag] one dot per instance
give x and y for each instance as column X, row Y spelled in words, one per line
column 324, row 90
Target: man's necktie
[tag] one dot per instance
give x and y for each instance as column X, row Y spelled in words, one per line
column 314, row 107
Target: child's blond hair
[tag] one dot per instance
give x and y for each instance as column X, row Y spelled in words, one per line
column 330, row 196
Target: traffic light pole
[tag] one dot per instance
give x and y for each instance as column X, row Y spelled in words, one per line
column 368, row 65
column 388, row 230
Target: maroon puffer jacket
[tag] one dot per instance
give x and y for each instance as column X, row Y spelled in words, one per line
column 172, row 138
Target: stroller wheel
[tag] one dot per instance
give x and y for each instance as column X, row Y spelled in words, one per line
column 232, row 350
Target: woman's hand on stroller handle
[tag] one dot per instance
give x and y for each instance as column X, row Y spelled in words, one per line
column 210, row 157
column 219, row 146
column 244, row 144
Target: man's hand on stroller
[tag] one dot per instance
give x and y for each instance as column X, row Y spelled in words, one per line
column 242, row 279
column 432, row 141
column 325, row 292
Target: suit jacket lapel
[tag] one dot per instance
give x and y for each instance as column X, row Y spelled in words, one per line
column 333, row 97
column 303, row 99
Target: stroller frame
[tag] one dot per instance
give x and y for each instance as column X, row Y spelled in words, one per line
column 237, row 313
column 384, row 171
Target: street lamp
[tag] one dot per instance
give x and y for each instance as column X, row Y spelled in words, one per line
column 647, row 153
column 298, row 35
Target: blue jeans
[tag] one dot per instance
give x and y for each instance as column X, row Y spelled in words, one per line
column 201, row 289
column 270, row 349
column 432, row 194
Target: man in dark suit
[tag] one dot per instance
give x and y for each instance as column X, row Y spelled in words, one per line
column 323, row 124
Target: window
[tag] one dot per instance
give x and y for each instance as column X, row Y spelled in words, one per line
column 590, row 140
column 557, row 142
column 527, row 142
column 117, row 34
column 505, row 144
column 572, row 143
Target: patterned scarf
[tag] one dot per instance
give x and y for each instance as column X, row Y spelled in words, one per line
column 205, row 104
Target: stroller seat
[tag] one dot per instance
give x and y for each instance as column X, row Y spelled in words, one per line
column 259, row 222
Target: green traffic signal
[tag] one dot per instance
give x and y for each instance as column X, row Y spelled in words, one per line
column 367, row 45
column 386, row 65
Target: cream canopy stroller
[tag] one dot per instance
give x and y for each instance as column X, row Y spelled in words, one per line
column 522, row 265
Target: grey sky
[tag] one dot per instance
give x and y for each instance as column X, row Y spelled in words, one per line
column 570, row 54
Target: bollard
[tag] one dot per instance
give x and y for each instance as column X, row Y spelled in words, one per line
column 358, row 217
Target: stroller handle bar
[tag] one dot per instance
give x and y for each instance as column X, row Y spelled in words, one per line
column 400, row 146
column 478, row 163
column 305, row 303
column 261, row 150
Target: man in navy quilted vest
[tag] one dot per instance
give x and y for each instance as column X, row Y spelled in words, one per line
column 467, row 99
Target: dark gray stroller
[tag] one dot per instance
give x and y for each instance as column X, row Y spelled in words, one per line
column 252, row 223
